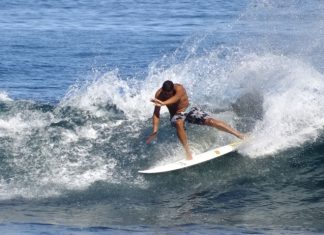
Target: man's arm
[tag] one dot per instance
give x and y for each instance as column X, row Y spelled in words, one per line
column 156, row 122
column 156, row 119
column 174, row 99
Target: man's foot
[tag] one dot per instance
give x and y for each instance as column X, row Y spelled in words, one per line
column 188, row 156
column 241, row 136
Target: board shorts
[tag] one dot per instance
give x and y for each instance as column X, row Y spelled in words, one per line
column 193, row 115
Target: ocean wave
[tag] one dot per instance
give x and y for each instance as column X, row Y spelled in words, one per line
column 97, row 132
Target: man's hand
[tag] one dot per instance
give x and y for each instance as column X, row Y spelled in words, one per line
column 157, row 102
column 151, row 137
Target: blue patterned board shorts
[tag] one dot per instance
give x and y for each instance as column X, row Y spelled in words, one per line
column 195, row 116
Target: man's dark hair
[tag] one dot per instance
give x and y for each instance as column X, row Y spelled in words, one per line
column 168, row 86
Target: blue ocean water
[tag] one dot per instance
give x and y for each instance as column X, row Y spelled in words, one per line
column 76, row 80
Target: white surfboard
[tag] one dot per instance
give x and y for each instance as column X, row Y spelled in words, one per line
column 197, row 159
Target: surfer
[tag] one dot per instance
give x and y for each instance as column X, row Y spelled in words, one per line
column 174, row 97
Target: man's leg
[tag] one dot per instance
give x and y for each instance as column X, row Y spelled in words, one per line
column 179, row 125
column 223, row 127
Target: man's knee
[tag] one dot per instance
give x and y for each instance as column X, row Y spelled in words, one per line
column 209, row 121
column 179, row 124
column 213, row 122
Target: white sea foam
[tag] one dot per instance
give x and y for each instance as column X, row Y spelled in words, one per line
column 293, row 94
column 21, row 123
column 13, row 124
column 109, row 89
column 4, row 96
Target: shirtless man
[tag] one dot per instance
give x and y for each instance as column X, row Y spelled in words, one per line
column 175, row 98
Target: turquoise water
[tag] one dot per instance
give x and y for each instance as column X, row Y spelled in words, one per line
column 76, row 79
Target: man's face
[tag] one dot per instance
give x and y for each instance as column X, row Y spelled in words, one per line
column 167, row 93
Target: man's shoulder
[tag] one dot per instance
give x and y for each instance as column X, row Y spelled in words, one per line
column 179, row 87
column 158, row 92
